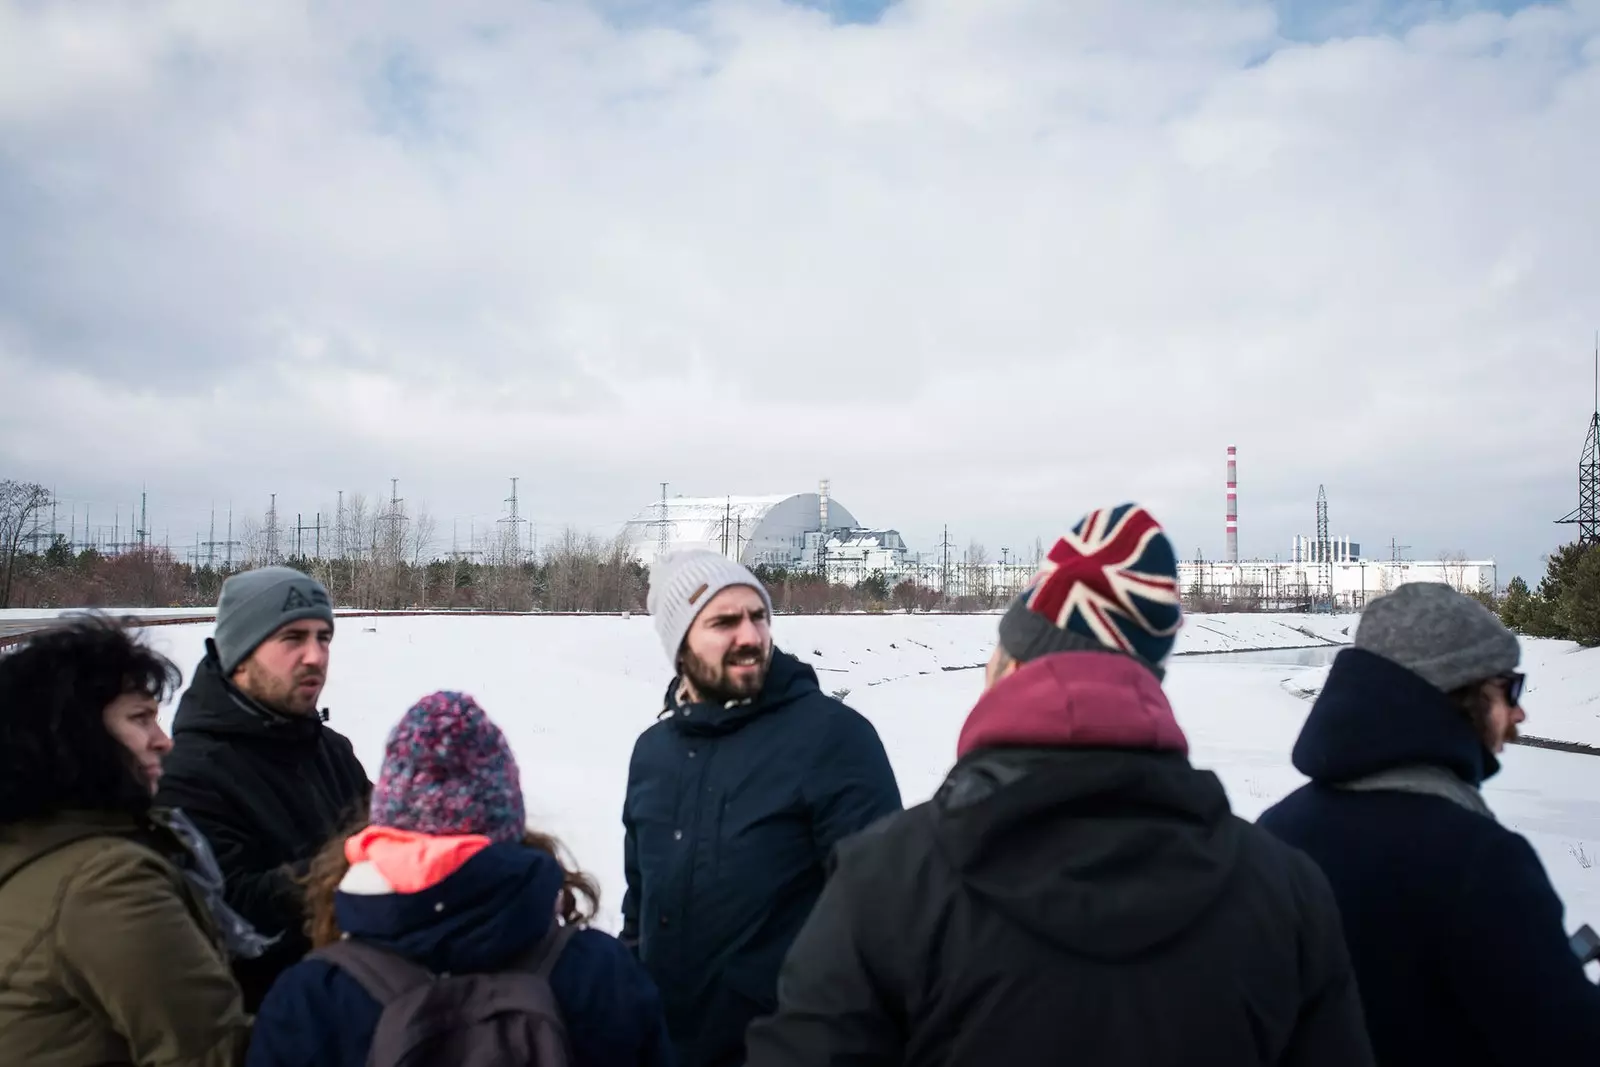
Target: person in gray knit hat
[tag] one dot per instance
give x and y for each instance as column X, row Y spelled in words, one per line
column 735, row 799
column 1455, row 931
column 254, row 763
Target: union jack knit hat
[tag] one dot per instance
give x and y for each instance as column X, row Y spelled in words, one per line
column 1111, row 583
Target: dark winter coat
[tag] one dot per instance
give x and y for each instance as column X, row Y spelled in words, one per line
column 1076, row 893
column 1457, row 936
column 268, row 791
column 491, row 911
column 730, row 815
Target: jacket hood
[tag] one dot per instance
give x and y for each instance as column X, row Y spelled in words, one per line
column 788, row 680
column 1374, row 714
column 213, row 704
column 1077, row 699
column 23, row 842
column 1106, row 853
column 1074, row 810
column 495, row 907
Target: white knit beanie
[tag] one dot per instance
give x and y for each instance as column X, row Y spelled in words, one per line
column 683, row 583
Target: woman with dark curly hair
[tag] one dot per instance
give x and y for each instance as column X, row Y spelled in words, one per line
column 444, row 891
column 109, row 951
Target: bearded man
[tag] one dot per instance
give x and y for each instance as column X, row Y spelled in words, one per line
column 254, row 763
column 736, row 797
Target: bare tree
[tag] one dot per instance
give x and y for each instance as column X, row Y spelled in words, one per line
column 21, row 504
column 1455, row 569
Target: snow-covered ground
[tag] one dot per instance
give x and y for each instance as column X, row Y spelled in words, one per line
column 573, row 693
column 1563, row 692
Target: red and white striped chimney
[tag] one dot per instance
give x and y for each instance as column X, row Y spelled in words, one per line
column 1233, row 505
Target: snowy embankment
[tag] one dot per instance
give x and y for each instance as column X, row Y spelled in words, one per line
column 572, row 694
column 1562, row 700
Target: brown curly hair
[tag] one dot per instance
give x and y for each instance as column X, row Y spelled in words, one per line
column 580, row 894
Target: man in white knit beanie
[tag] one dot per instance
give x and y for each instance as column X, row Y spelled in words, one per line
column 730, row 613
column 736, row 797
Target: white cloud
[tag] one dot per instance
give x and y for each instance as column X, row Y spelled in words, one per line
column 988, row 264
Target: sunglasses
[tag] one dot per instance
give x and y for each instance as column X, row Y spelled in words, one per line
column 1515, row 680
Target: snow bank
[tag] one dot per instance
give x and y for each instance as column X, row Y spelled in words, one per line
column 1563, row 694
column 573, row 693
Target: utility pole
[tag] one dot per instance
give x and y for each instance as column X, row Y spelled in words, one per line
column 727, row 513
column 300, row 528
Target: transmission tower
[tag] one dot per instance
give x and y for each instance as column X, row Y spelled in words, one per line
column 944, row 567
column 663, row 527
column 1586, row 516
column 516, row 520
column 1324, row 549
column 272, row 530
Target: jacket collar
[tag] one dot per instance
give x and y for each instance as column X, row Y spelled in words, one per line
column 788, row 680
column 493, row 908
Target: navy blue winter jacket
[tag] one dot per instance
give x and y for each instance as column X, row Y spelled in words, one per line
column 495, row 908
column 1456, row 934
column 731, row 813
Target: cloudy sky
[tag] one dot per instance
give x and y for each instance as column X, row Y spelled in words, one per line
column 980, row 262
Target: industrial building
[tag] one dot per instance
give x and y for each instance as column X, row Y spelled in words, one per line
column 1321, row 571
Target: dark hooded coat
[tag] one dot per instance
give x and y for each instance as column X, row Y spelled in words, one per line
column 730, row 814
column 268, row 791
column 481, row 918
column 1076, row 893
column 1456, row 934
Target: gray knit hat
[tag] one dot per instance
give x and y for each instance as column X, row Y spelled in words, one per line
column 256, row 603
column 683, row 583
column 1446, row 638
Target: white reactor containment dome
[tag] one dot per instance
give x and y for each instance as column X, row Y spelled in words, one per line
column 756, row 530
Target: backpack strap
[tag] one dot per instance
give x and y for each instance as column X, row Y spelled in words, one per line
column 386, row 976
column 543, row 957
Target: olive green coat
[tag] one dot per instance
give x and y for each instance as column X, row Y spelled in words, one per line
column 107, row 954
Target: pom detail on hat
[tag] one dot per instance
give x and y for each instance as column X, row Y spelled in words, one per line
column 447, row 770
column 1111, row 583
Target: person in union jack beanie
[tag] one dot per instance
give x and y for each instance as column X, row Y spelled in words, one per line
column 1075, row 888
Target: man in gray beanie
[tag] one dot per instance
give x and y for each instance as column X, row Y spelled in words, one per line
column 254, row 763
column 1455, row 931
column 736, row 797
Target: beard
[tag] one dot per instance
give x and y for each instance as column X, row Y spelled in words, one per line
column 714, row 682
column 283, row 695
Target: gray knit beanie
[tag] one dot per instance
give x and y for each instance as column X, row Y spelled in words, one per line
column 683, row 583
column 254, row 604
column 1446, row 638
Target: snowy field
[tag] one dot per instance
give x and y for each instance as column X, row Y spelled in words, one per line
column 573, row 693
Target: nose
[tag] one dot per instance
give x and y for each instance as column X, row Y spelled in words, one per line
column 314, row 654
column 162, row 742
column 749, row 633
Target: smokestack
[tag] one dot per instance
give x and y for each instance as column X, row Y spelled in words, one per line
column 822, row 496
column 1233, row 505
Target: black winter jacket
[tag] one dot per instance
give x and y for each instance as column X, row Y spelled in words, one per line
column 1093, row 906
column 268, row 791
column 1456, row 934
column 730, row 815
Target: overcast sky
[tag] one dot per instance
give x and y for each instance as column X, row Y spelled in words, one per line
column 980, row 263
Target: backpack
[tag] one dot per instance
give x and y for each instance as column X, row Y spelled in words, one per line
column 493, row 1019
